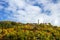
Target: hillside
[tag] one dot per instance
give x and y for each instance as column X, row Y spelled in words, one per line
column 30, row 31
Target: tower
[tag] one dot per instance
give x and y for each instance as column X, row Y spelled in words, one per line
column 38, row 21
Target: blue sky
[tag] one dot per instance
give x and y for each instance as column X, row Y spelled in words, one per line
column 47, row 11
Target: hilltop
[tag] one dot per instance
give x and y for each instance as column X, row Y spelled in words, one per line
column 10, row 30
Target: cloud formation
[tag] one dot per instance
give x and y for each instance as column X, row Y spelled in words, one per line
column 47, row 11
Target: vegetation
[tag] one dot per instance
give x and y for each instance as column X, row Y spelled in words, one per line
column 30, row 31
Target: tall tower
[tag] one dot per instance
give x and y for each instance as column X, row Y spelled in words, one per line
column 38, row 21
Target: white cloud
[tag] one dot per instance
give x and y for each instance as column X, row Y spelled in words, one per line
column 24, row 11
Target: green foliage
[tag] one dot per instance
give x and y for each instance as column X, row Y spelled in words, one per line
column 29, row 31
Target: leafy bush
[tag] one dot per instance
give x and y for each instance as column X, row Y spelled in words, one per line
column 20, row 31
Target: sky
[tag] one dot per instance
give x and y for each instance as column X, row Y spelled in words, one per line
column 29, row 11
